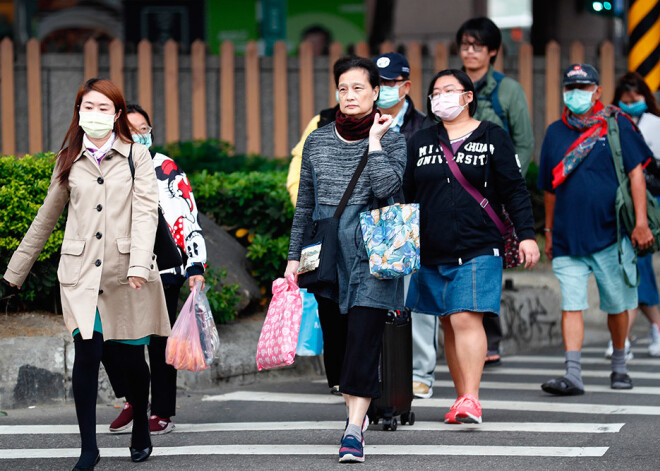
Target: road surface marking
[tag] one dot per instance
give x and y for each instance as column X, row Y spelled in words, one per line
column 297, row 449
column 649, row 361
column 536, row 386
column 545, row 427
column 555, row 405
column 551, row 373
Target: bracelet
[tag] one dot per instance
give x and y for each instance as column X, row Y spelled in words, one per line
column 547, row 229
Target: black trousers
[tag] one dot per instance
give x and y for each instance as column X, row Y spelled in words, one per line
column 493, row 330
column 352, row 345
column 163, row 376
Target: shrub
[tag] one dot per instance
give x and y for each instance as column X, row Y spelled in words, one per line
column 214, row 155
column 222, row 297
column 23, row 186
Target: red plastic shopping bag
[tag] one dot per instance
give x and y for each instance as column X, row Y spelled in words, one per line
column 184, row 350
column 279, row 335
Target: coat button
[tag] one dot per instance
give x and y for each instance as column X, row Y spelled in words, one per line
column 151, row 266
column 153, row 257
column 100, row 291
column 99, row 207
column 100, row 180
column 97, row 263
column 99, row 235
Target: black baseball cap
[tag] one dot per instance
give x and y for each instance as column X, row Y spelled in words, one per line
column 581, row 73
column 391, row 65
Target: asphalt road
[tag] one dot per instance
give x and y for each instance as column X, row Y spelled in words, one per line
column 297, row 424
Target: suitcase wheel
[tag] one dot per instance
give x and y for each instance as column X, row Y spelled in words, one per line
column 390, row 424
column 408, row 418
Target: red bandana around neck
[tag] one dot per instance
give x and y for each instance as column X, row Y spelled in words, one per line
column 354, row 129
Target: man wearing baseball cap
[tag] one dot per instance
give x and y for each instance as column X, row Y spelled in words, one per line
column 393, row 98
column 578, row 177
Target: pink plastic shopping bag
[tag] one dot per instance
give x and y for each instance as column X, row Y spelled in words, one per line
column 184, row 350
column 279, row 335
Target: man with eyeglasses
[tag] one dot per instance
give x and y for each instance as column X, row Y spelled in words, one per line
column 502, row 100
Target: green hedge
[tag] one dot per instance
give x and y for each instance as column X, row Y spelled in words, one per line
column 23, row 186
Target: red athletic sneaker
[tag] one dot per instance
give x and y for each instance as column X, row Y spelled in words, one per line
column 469, row 410
column 160, row 426
column 124, row 422
column 450, row 417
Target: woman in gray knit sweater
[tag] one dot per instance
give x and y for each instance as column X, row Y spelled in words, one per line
column 353, row 312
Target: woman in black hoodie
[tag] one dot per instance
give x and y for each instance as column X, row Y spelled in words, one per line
column 461, row 247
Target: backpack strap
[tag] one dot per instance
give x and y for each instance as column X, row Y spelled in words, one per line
column 494, row 99
column 614, row 140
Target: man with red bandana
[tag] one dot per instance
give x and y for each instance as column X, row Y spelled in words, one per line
column 577, row 173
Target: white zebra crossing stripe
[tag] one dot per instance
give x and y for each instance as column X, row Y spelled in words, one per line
column 551, row 373
column 554, row 406
column 538, row 427
column 650, row 361
column 331, row 450
column 537, row 387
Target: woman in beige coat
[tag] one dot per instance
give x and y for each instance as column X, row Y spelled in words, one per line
column 109, row 280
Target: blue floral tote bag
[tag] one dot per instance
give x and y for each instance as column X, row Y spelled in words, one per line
column 391, row 237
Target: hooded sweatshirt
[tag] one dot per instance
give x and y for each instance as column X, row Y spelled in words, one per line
column 454, row 227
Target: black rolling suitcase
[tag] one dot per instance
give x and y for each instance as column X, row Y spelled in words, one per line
column 395, row 374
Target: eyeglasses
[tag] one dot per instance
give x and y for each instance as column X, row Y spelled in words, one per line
column 451, row 91
column 144, row 129
column 476, row 47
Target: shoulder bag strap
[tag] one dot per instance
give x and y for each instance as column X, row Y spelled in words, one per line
column 130, row 162
column 467, row 186
column 351, row 185
column 614, row 141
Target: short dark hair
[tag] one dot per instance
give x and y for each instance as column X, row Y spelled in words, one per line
column 633, row 82
column 483, row 30
column 135, row 108
column 353, row 62
column 465, row 82
column 317, row 29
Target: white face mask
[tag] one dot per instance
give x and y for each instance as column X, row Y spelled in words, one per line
column 95, row 124
column 446, row 106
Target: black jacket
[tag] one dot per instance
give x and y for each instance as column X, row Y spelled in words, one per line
column 413, row 120
column 454, row 227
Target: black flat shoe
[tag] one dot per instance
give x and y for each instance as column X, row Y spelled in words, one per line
column 562, row 386
column 89, row 468
column 140, row 455
column 620, row 381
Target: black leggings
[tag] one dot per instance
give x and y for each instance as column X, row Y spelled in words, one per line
column 85, row 379
column 352, row 345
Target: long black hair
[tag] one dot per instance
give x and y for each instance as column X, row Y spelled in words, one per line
column 465, row 82
column 633, row 82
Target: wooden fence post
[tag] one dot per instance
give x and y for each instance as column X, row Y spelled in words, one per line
column 91, row 51
column 552, row 82
column 576, row 53
column 440, row 58
column 117, row 63
column 607, row 72
column 336, row 50
column 252, row 102
column 414, row 54
column 362, row 49
column 198, row 70
column 526, row 74
column 306, row 64
column 35, row 125
column 280, row 100
column 171, row 66
column 7, row 95
column 386, row 47
column 227, row 90
column 145, row 76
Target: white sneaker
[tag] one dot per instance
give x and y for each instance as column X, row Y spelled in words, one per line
column 629, row 354
column 654, row 347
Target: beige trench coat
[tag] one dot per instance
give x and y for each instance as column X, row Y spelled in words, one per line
column 109, row 236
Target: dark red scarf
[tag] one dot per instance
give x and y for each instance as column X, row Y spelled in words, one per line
column 354, row 129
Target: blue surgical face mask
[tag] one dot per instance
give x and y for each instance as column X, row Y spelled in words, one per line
column 388, row 97
column 142, row 139
column 337, row 95
column 636, row 108
column 578, row 101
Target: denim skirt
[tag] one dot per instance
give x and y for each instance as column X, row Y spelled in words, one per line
column 441, row 290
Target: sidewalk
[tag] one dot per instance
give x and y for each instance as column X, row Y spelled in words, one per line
column 37, row 369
